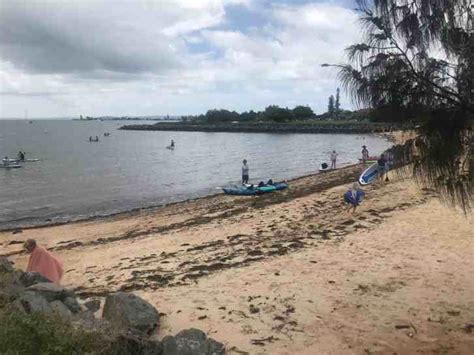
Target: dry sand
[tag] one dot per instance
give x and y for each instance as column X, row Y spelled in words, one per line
column 288, row 273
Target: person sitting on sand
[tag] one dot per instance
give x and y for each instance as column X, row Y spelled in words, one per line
column 43, row 262
column 333, row 159
column 353, row 197
column 365, row 154
column 245, row 172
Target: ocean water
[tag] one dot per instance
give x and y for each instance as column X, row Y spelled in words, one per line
column 132, row 169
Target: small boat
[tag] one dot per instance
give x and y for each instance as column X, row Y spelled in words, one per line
column 11, row 166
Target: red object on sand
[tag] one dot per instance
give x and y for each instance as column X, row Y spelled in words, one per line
column 46, row 264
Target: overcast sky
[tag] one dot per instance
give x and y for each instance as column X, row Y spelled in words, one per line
column 132, row 57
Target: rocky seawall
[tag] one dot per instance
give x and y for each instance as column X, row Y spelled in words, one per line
column 262, row 127
column 36, row 314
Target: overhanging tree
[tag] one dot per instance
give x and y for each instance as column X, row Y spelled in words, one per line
column 416, row 63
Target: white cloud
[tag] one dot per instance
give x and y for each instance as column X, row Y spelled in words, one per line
column 133, row 57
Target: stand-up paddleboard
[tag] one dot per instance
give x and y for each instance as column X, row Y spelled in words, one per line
column 369, row 174
column 26, row 160
column 10, row 166
column 170, row 147
column 321, row 170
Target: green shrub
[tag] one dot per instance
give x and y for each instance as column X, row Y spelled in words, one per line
column 22, row 333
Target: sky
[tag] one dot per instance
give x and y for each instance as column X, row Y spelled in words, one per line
column 63, row 58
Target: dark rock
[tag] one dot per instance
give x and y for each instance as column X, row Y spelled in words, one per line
column 61, row 310
column 92, row 305
column 191, row 342
column 32, row 302
column 132, row 344
column 17, row 231
column 72, row 304
column 51, row 291
column 129, row 312
column 30, row 278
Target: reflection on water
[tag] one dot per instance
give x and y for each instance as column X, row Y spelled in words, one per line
column 131, row 169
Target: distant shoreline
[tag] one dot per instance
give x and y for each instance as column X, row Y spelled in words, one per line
column 269, row 127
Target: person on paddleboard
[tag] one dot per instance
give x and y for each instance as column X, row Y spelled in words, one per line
column 172, row 143
column 245, row 172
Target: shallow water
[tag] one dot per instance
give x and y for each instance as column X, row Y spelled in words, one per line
column 132, row 169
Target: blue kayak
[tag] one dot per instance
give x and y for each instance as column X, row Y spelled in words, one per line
column 254, row 190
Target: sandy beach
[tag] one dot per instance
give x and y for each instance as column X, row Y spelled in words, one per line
column 290, row 272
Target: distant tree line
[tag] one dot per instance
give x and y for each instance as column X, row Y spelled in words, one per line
column 272, row 113
column 275, row 113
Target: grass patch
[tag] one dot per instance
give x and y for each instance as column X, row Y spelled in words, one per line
column 22, row 333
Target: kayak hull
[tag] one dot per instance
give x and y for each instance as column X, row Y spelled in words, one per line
column 11, row 166
column 249, row 190
column 369, row 174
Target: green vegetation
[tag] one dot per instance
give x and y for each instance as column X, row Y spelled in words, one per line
column 416, row 63
column 277, row 114
column 22, row 333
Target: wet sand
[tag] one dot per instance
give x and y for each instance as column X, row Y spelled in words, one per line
column 290, row 272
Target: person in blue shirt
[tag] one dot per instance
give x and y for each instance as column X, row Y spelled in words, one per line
column 353, row 197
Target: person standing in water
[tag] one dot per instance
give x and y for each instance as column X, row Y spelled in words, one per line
column 365, row 154
column 6, row 161
column 245, row 172
column 333, row 159
column 172, row 143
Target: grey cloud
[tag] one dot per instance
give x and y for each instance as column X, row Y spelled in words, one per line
column 56, row 39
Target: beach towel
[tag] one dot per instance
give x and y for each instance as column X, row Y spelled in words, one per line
column 46, row 264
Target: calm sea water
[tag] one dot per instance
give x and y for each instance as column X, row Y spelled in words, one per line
column 132, row 169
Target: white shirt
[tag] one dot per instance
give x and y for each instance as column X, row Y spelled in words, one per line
column 333, row 156
column 245, row 169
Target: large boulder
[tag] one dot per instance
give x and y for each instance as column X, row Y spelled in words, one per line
column 127, row 311
column 191, row 342
column 132, row 344
column 61, row 310
column 92, row 305
column 30, row 278
column 32, row 302
column 72, row 304
column 50, row 291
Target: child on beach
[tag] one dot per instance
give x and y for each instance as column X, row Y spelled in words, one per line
column 333, row 159
column 353, row 197
column 365, row 154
